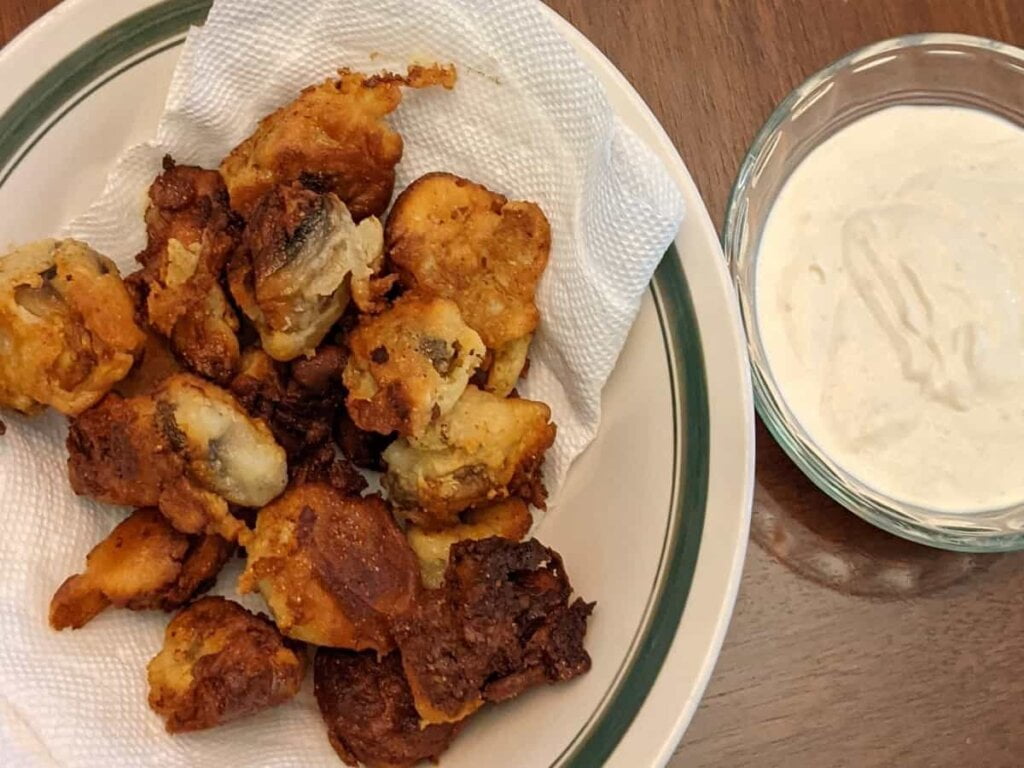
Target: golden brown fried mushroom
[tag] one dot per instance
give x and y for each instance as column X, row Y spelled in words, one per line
column 192, row 233
column 509, row 519
column 502, row 623
column 67, row 334
column 221, row 662
column 331, row 567
column 188, row 449
column 303, row 258
column 487, row 448
column 143, row 564
column 449, row 237
column 409, row 365
column 230, row 453
column 369, row 712
column 332, row 137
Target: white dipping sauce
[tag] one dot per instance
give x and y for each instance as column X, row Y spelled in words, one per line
column 890, row 299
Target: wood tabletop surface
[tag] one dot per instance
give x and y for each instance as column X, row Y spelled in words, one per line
column 848, row 647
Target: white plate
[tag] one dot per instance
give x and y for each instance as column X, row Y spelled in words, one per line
column 652, row 522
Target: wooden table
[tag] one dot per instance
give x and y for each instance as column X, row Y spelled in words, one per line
column 848, row 647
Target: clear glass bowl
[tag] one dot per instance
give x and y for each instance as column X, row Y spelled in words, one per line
column 919, row 69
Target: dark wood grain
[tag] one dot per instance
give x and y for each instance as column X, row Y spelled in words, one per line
column 825, row 665
column 848, row 647
column 16, row 15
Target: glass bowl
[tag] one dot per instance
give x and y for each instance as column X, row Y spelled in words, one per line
column 932, row 69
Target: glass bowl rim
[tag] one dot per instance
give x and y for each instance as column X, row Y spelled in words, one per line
column 882, row 511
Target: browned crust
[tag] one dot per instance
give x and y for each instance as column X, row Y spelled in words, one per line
column 436, row 502
column 508, row 518
column 451, row 237
column 299, row 401
column 332, row 567
column 144, row 563
column 131, row 452
column 369, row 712
column 406, row 361
column 325, row 466
column 238, row 663
column 190, row 205
column 362, row 448
column 333, row 137
column 501, row 623
column 66, row 327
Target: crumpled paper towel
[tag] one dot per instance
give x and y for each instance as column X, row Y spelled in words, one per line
column 526, row 119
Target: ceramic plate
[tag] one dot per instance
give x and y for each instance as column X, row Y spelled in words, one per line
column 652, row 521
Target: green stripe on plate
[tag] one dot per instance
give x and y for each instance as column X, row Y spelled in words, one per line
column 690, row 486
column 91, row 61
column 118, row 48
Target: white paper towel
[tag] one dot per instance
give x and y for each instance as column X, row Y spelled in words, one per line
column 526, row 119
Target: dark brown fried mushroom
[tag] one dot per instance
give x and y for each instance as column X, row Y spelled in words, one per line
column 369, row 712
column 299, row 402
column 503, row 622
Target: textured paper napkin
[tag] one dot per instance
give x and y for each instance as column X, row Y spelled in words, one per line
column 526, row 119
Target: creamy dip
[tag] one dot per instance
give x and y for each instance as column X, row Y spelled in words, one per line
column 890, row 300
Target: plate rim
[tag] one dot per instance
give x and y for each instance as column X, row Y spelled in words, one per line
column 672, row 263
column 727, row 526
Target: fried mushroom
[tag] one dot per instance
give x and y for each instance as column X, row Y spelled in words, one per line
column 302, row 258
column 231, row 454
column 487, row 448
column 409, row 365
column 369, row 712
column 220, row 662
column 143, row 564
column 118, row 454
column 67, row 333
column 191, row 234
column 503, row 622
column 509, row 519
column 188, row 449
column 450, row 237
column 332, row 137
column 332, row 568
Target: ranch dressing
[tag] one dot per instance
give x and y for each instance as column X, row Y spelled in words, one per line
column 890, row 299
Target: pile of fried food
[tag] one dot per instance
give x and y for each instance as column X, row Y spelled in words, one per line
column 276, row 338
